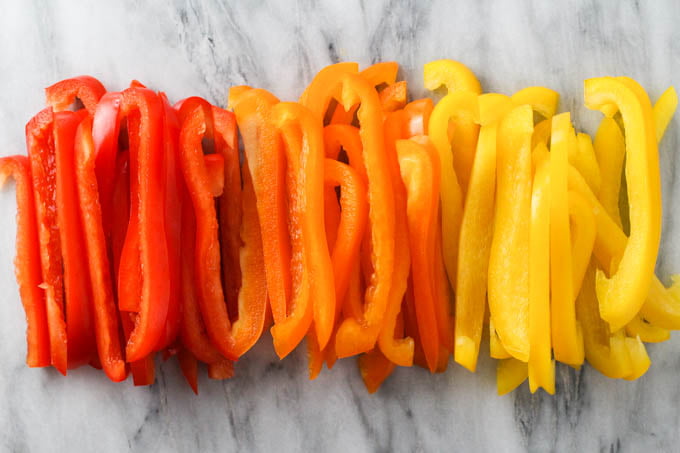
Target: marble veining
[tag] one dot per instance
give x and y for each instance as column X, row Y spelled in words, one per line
column 202, row 48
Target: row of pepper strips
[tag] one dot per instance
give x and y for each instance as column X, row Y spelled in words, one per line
column 350, row 219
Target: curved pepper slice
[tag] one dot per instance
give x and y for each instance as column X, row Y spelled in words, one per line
column 40, row 145
column 455, row 76
column 649, row 333
column 86, row 88
column 566, row 337
column 541, row 367
column 542, row 100
column 105, row 315
column 153, row 254
column 417, row 117
column 610, row 149
column 27, row 262
column 463, row 106
column 318, row 89
column 312, row 272
column 622, row 295
column 582, row 156
column 508, row 291
column 510, row 374
column 583, row 229
column 663, row 110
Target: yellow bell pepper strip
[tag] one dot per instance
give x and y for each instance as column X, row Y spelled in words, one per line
column 510, row 374
column 313, row 292
column 463, row 106
column 453, row 75
column 542, row 131
column 566, row 339
column 475, row 236
column 622, row 295
column 508, row 291
column 493, row 107
column 419, row 174
column 610, row 149
column 639, row 358
column 649, row 333
column 663, row 111
column 541, row 99
column 662, row 307
column 496, row 348
column 541, row 367
column 583, row 232
column 582, row 156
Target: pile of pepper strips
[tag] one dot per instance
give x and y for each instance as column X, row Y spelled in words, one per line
column 365, row 224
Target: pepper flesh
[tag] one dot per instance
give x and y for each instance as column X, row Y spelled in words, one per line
column 86, row 88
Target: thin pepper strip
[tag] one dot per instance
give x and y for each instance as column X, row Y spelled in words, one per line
column 610, row 149
column 104, row 308
column 27, row 262
column 85, row 88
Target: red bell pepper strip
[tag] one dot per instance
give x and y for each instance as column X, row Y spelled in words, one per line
column 189, row 367
column 40, row 144
column 86, row 88
column 104, row 309
column 27, row 261
column 223, row 369
column 312, row 272
column 143, row 370
column 153, row 253
column 77, row 290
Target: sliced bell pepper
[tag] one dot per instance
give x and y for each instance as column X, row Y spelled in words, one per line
column 152, row 253
column 27, row 262
column 496, row 348
column 417, row 117
column 394, row 96
column 318, row 88
column 582, row 156
column 508, row 286
column 312, row 271
column 541, row 367
column 453, row 75
column 583, row 229
column 610, row 150
column 189, row 366
column 40, row 145
column 463, row 106
column 622, row 295
column 542, row 100
column 510, row 374
column 221, row 370
column 541, row 133
column 567, row 340
column 105, row 316
column 374, row 368
column 85, row 88
column 649, row 333
column 663, row 110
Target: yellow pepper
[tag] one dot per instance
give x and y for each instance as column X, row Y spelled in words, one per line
column 541, row 133
column 541, row 99
column 621, row 296
column 496, row 348
column 541, row 367
column 662, row 307
column 583, row 233
column 462, row 106
column 610, row 149
column 639, row 359
column 457, row 77
column 649, row 333
column 582, row 156
column 508, row 287
column 510, row 373
column 663, row 111
column 566, row 336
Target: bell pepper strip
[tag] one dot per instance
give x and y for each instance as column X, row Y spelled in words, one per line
column 394, row 96
column 583, row 232
column 417, row 117
column 382, row 73
column 476, row 232
column 542, row 100
column 374, row 368
column 40, row 145
column 264, row 154
column 153, row 253
column 420, row 180
column 143, row 370
column 359, row 335
column 622, row 295
column 496, row 348
column 582, row 156
column 662, row 307
column 610, row 149
column 87, row 89
column 663, row 110
column 312, row 274
column 221, row 370
column 510, row 374
column 120, row 210
column 493, row 107
column 77, row 290
column 232, row 340
column 105, row 316
column 639, row 358
column 508, row 286
column 443, row 302
column 541, row 367
column 411, row 325
column 453, row 75
column 567, row 340
column 463, row 106
column 542, row 131
column 189, row 367
column 649, row 333
column 317, row 90
column 27, row 262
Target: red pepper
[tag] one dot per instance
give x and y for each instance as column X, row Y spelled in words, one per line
column 223, row 369
column 104, row 310
column 146, row 150
column 85, row 88
column 28, row 270
column 189, row 366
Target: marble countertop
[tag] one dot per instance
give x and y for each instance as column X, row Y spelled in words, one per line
column 202, row 48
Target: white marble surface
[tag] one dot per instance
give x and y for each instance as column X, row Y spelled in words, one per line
column 191, row 47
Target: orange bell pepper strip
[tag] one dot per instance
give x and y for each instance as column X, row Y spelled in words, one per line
column 476, row 231
column 264, row 153
column 359, row 335
column 312, row 274
column 510, row 374
column 417, row 117
column 317, row 90
column 463, row 106
column 610, row 149
column 221, row 370
column 378, row 75
column 394, row 96
column 457, row 77
column 508, row 286
column 541, row 367
column 374, row 368
column 663, row 110
column 87, row 89
column 421, row 182
column 27, row 262
column 232, row 339
column 39, row 142
column 567, row 340
column 622, row 295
